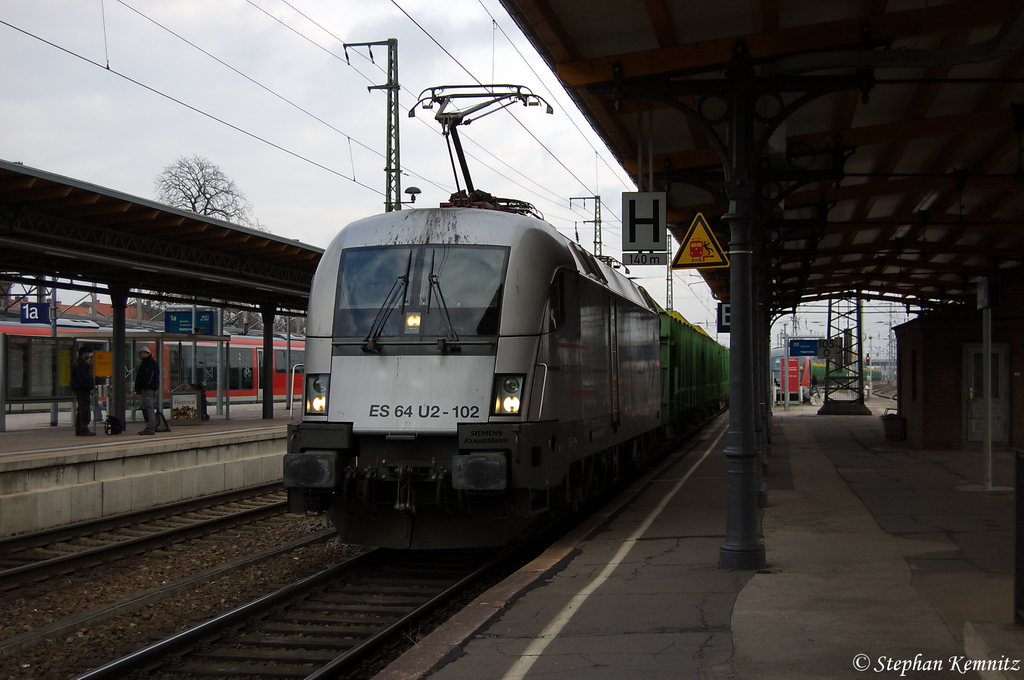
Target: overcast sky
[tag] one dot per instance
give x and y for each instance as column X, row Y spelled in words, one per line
column 110, row 92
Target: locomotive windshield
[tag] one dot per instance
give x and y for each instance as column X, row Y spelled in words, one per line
column 422, row 291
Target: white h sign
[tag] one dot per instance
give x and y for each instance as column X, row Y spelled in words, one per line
column 643, row 221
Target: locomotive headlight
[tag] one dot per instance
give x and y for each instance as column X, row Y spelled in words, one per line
column 317, row 385
column 412, row 323
column 508, row 394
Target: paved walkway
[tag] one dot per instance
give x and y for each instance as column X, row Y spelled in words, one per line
column 877, row 557
column 31, row 433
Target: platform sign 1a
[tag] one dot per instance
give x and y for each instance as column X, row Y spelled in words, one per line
column 181, row 322
column 35, row 312
column 803, row 348
column 699, row 249
column 644, row 221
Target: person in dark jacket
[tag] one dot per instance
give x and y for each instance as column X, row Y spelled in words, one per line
column 83, row 384
column 147, row 383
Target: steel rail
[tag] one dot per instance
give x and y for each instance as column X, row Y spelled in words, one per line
column 216, row 633
column 36, row 571
column 350, row 658
column 153, row 654
column 179, row 645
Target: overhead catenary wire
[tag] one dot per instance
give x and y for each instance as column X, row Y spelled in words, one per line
column 550, row 93
column 610, row 228
column 477, row 81
column 267, row 89
column 487, row 154
column 412, row 94
column 190, row 107
column 351, row 140
column 554, row 198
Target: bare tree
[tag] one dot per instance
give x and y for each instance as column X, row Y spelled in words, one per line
column 194, row 183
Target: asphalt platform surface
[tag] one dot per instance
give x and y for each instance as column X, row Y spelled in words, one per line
column 879, row 558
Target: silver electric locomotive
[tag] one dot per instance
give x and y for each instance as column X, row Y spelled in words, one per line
column 467, row 371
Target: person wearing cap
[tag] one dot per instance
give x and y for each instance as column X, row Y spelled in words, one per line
column 83, row 384
column 147, row 383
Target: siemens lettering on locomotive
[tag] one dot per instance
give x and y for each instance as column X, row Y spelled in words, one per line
column 470, row 370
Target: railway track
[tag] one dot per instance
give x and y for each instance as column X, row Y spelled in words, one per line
column 316, row 628
column 343, row 622
column 40, row 555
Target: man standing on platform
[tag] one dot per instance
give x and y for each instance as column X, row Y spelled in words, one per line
column 147, row 384
column 83, row 384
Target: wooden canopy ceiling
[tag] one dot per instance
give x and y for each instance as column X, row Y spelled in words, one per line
column 899, row 179
column 59, row 227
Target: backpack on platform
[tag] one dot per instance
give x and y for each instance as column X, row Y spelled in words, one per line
column 113, row 425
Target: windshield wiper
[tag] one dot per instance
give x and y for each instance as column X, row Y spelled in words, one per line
column 449, row 343
column 396, row 293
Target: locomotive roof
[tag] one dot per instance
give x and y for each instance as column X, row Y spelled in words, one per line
column 474, row 226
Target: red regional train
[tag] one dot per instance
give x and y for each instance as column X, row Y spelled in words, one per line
column 244, row 380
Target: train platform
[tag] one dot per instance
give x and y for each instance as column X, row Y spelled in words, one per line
column 31, row 434
column 50, row 477
column 882, row 561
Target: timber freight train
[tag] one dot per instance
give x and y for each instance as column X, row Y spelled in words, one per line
column 470, row 370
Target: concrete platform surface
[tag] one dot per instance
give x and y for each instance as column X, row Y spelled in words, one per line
column 32, row 434
column 50, row 477
column 879, row 557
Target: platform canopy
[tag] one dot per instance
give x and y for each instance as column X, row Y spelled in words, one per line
column 99, row 238
column 889, row 159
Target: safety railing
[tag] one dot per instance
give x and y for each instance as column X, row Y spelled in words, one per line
column 291, row 386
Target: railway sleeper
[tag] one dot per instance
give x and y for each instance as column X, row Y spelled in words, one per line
column 293, row 634
column 367, row 618
column 220, row 670
column 334, row 644
column 376, row 601
column 317, row 656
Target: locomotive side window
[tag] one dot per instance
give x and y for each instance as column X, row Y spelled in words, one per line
column 556, row 302
column 415, row 292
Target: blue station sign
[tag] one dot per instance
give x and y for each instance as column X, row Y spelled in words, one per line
column 181, row 322
column 35, row 312
column 803, row 348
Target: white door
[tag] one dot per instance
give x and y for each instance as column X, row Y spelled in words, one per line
column 974, row 394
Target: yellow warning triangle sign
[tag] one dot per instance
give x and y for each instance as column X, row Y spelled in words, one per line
column 699, row 249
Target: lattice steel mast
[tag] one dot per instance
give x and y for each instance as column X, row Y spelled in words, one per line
column 598, row 240
column 392, row 165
